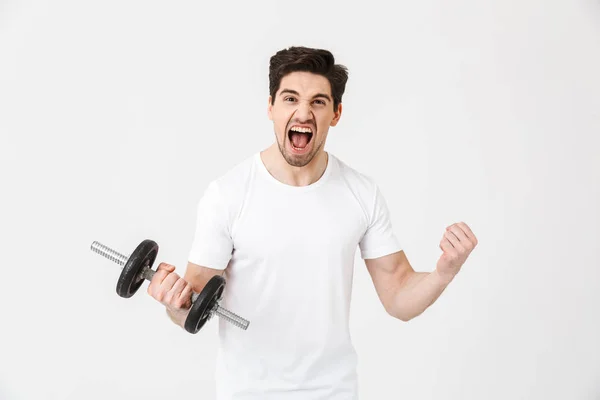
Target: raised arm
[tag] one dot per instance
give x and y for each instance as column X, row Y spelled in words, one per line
column 406, row 293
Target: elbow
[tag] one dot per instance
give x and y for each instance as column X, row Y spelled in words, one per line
column 401, row 315
column 404, row 315
column 405, row 318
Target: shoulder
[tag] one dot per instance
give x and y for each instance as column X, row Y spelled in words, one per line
column 361, row 186
column 357, row 181
column 224, row 194
column 233, row 182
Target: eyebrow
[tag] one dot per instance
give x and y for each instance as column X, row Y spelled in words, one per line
column 318, row 95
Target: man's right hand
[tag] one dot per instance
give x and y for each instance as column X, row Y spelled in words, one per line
column 171, row 290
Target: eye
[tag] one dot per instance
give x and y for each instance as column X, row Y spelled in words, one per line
column 322, row 102
column 289, row 98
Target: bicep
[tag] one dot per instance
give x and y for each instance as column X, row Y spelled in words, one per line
column 198, row 275
column 388, row 273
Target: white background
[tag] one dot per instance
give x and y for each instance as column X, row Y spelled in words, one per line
column 115, row 115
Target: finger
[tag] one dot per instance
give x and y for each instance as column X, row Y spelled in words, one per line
column 175, row 292
column 167, row 284
column 465, row 242
column 160, row 291
column 161, row 273
column 165, row 267
column 186, row 296
column 459, row 233
column 468, row 232
column 454, row 240
column 446, row 246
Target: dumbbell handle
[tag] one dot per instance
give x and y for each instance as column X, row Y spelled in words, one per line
column 148, row 273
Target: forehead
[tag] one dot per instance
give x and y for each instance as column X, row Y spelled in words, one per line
column 305, row 83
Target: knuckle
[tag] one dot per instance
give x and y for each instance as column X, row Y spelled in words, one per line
column 163, row 266
column 179, row 303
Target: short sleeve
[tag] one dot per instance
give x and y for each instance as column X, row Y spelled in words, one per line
column 212, row 245
column 379, row 239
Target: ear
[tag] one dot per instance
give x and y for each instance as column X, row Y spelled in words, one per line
column 270, row 109
column 337, row 116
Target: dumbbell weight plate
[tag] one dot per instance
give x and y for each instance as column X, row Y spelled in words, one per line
column 200, row 310
column 143, row 256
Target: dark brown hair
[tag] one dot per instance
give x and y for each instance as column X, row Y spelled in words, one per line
column 317, row 61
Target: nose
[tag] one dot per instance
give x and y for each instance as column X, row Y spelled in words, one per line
column 304, row 111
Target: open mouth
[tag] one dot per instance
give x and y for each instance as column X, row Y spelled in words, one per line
column 300, row 137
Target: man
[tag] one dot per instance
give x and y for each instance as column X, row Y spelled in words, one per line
column 283, row 226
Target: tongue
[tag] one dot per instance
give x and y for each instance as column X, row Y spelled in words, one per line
column 299, row 140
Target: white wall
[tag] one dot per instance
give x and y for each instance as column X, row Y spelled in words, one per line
column 114, row 116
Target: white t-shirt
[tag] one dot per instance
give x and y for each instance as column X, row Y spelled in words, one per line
column 289, row 253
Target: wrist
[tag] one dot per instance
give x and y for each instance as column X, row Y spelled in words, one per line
column 443, row 278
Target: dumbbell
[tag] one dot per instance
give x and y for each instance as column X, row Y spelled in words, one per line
column 138, row 266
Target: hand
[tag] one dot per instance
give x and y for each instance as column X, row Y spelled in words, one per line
column 457, row 243
column 170, row 289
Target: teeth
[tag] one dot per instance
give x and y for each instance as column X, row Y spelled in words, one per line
column 301, row 130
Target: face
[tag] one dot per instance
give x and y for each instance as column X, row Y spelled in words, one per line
column 302, row 114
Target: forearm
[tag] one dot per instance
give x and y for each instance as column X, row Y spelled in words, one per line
column 416, row 293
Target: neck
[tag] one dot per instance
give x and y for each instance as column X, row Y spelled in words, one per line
column 290, row 175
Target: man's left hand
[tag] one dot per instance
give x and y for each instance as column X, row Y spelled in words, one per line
column 457, row 243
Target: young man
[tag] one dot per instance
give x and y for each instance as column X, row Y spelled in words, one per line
column 284, row 226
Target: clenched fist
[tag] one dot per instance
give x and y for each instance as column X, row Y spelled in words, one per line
column 170, row 289
column 457, row 243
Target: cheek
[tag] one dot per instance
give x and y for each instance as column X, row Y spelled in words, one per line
column 323, row 122
column 281, row 121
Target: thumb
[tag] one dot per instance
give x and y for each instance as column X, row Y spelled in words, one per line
column 166, row 267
